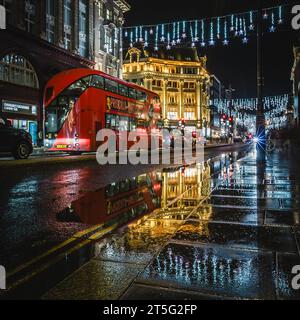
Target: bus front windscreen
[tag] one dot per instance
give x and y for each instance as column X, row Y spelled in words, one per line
column 58, row 111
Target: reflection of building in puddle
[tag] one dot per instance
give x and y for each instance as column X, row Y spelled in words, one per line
column 185, row 188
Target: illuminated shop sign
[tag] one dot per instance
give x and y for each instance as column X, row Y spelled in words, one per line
column 20, row 108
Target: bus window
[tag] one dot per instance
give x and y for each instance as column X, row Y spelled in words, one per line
column 80, row 85
column 132, row 93
column 120, row 123
column 97, row 82
column 141, row 96
column 111, row 86
column 123, row 124
column 123, row 90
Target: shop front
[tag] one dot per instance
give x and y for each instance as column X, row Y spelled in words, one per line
column 22, row 116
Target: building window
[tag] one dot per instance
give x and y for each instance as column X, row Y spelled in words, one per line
column 190, row 70
column 67, row 23
column 83, row 27
column 173, row 84
column 189, row 116
column 109, row 15
column 17, row 70
column 50, row 20
column 173, row 115
column 100, row 9
column 7, row 4
column 30, row 8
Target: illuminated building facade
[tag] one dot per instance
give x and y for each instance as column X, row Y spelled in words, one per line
column 296, row 85
column 179, row 76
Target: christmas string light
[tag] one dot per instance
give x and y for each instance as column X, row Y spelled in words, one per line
column 146, row 38
column 211, row 41
column 184, row 29
column 174, row 32
column 196, row 31
column 272, row 28
column 156, row 39
column 251, row 27
column 136, row 34
column 169, row 41
column 131, row 38
column 232, row 23
column 219, row 29
column 162, row 33
column 236, row 26
column 178, row 32
column 141, row 34
column 280, row 21
column 202, row 34
column 225, row 41
column 245, row 39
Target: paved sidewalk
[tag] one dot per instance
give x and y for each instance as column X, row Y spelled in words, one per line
column 241, row 243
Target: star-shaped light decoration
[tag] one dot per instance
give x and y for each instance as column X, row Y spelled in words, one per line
column 141, row 39
column 193, row 44
column 280, row 21
column 156, row 48
column 211, row 42
column 251, row 28
column 196, row 39
column 184, row 35
column 178, row 40
column 202, row 44
column 174, row 43
column 272, row 28
column 146, row 44
column 265, row 16
column 245, row 40
column 225, row 42
column 232, row 29
column 241, row 32
column 168, row 47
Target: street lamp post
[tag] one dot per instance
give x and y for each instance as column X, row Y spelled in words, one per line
column 260, row 116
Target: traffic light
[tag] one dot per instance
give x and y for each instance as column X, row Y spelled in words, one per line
column 182, row 123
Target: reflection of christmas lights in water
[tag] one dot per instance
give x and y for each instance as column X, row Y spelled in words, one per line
column 207, row 267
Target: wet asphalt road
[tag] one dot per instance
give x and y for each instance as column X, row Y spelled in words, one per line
column 233, row 234
column 31, row 197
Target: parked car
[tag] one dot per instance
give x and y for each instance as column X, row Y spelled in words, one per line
column 15, row 141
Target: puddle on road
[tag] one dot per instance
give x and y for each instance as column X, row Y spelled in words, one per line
column 174, row 188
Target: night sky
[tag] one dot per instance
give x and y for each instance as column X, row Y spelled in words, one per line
column 235, row 64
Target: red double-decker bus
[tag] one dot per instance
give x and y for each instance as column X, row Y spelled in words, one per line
column 80, row 102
